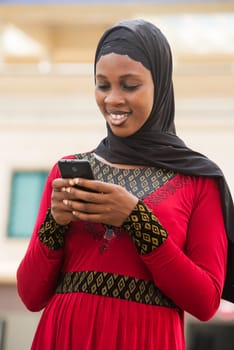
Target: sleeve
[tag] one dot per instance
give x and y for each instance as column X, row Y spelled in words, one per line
column 39, row 269
column 192, row 278
column 51, row 233
column 146, row 231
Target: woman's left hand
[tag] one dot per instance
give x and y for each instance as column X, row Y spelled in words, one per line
column 109, row 204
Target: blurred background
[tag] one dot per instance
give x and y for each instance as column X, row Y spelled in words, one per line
column 47, row 110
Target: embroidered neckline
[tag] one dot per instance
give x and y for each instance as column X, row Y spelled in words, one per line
column 139, row 181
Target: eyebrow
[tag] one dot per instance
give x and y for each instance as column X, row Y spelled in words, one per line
column 130, row 75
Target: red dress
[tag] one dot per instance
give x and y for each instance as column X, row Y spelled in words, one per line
column 189, row 268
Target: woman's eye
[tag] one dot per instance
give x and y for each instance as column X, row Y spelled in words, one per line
column 130, row 87
column 103, row 86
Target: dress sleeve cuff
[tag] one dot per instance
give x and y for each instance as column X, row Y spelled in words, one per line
column 146, row 231
column 51, row 233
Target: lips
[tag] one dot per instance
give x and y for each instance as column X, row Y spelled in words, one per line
column 118, row 118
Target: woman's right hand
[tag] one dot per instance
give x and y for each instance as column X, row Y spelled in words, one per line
column 62, row 214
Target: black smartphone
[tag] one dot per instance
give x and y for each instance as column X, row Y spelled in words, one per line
column 71, row 168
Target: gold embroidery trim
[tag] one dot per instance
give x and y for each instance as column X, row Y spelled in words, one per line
column 146, row 231
column 114, row 286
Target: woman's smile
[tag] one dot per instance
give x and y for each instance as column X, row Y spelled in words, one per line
column 118, row 118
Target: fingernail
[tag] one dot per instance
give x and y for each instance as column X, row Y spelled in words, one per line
column 65, row 201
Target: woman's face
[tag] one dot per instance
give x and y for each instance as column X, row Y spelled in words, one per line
column 124, row 93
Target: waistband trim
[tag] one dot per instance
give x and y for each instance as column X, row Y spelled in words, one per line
column 114, row 286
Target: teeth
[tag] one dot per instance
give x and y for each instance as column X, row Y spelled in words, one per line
column 118, row 116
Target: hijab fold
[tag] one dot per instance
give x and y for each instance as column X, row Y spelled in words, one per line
column 156, row 143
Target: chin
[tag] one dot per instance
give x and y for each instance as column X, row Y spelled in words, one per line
column 120, row 133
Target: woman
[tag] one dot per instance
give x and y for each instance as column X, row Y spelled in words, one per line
column 117, row 268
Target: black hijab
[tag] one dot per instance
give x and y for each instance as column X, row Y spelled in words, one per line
column 156, row 143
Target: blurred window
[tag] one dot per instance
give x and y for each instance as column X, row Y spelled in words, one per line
column 26, row 191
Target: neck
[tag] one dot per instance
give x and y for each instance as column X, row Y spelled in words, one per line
column 124, row 166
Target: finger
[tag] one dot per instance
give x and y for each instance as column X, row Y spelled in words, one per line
column 94, row 185
column 68, row 204
column 84, row 195
column 58, row 196
column 63, row 218
column 87, row 217
column 97, row 218
column 60, row 183
column 60, row 207
column 85, row 207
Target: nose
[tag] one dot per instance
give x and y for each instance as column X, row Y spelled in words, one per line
column 114, row 97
